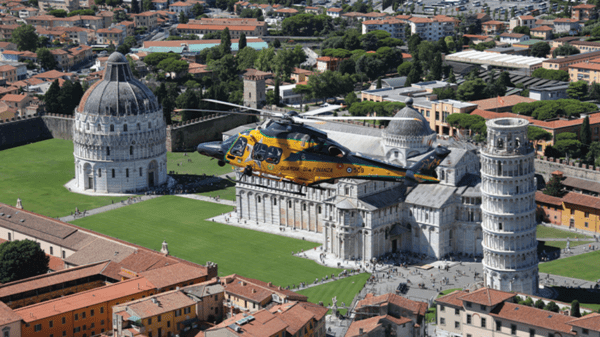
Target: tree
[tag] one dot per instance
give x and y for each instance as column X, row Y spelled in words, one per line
column 242, row 42
column 404, row 68
column 246, row 58
column 565, row 50
column 378, row 86
column 51, row 98
column 183, row 18
column 593, row 154
column 445, row 93
column 451, row 76
column 551, row 306
column 471, row 90
column 226, row 41
column 147, row 5
column 415, row 75
column 59, row 13
column 539, row 304
column 436, row 67
column 351, row 99
column 537, row 133
column 25, row 37
column 540, row 49
column 413, row 43
column 575, row 309
column 558, row 75
column 586, row 132
column 521, row 30
column 578, row 90
column 46, row 59
column 168, row 105
column 303, row 91
column 135, row 6
column 21, row 259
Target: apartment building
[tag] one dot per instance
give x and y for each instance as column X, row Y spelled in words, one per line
column 325, row 63
column 8, row 73
column 250, row 27
column 542, row 32
column 63, row 59
column 334, row 12
column 523, row 20
column 492, row 27
column 67, row 5
column 10, row 323
column 512, row 38
column 17, row 102
column 432, row 29
column 565, row 62
column 112, row 36
column 589, row 72
column 567, row 26
column 146, row 19
column 6, row 31
column 586, row 46
column 411, row 313
column 395, row 27
column 583, row 12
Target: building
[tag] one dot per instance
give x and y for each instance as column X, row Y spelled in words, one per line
column 501, row 104
column 181, row 7
column 67, row 5
column 542, row 32
column 379, row 325
column 549, row 208
column 112, row 36
column 17, row 102
column 302, row 318
column 10, row 322
column 512, row 38
column 525, row 64
column 248, row 295
column 492, row 27
column 565, row 62
column 432, row 29
column 8, row 73
column 588, row 72
column 254, row 88
column 567, row 26
column 409, row 312
column 523, row 21
column 116, row 165
column 260, row 324
column 395, row 27
column 250, row 27
column 146, row 19
column 549, row 92
column 583, row 12
column 508, row 208
column 334, row 12
column 586, row 46
column 209, row 297
column 194, row 46
column 328, row 63
column 562, row 40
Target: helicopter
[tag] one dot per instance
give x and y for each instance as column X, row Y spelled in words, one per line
column 283, row 148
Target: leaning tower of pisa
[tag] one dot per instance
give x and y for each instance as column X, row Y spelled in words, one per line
column 508, row 208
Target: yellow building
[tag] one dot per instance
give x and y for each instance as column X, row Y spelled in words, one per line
column 250, row 295
column 304, row 319
column 581, row 211
column 542, row 32
column 146, row 19
column 165, row 314
column 589, row 72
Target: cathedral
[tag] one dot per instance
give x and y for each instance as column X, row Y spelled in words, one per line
column 119, row 134
column 362, row 219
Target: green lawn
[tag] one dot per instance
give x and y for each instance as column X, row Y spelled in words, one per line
column 180, row 221
column 584, row 266
column 226, row 193
column 200, row 164
column 549, row 232
column 448, row 291
column 37, row 172
column 345, row 290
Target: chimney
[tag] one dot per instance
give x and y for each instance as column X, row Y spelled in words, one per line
column 165, row 248
column 253, row 291
column 361, row 331
column 19, row 204
column 270, row 284
column 243, row 283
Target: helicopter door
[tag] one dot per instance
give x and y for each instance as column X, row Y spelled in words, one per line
column 239, row 147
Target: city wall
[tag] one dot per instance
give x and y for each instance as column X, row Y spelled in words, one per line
column 187, row 135
column 544, row 166
column 60, row 126
column 20, row 131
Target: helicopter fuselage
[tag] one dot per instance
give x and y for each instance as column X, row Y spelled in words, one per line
column 305, row 156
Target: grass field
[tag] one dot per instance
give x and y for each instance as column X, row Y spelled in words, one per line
column 584, row 266
column 345, row 290
column 200, row 164
column 226, row 193
column 549, row 232
column 37, row 172
column 180, row 221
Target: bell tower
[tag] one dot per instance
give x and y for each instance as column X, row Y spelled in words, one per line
column 254, row 89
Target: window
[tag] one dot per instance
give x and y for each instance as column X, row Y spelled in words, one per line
column 92, row 313
column 456, row 312
column 482, row 307
column 84, row 327
column 113, row 173
column 9, row 237
column 456, row 324
column 274, row 202
column 131, row 150
column 37, row 327
column 112, row 128
column 149, row 125
column 498, row 326
column 127, row 173
column 187, row 310
column 586, row 225
column 64, row 332
column 149, row 320
column 92, row 326
column 64, row 320
column 140, row 171
column 52, row 251
column 108, row 151
column 77, row 329
column 468, row 319
column 168, row 324
column 87, row 126
column 76, row 317
column 468, row 304
column 51, row 324
column 102, row 321
column 289, row 204
column 585, row 331
column 550, row 335
column 572, row 211
column 124, row 127
column 158, row 318
column 442, row 321
column 177, row 312
column 83, row 316
column 64, row 254
column 531, row 332
column 442, row 308
column 99, row 173
column 513, row 329
column 102, row 311
column 483, row 323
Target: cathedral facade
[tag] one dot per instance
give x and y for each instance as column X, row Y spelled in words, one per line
column 362, row 219
column 119, row 134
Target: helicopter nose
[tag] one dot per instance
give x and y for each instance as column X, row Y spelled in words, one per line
column 211, row 149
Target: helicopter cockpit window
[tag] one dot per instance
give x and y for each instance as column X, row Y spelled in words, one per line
column 239, row 147
column 335, row 151
column 260, row 151
column 273, row 155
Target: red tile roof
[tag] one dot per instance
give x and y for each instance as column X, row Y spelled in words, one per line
column 581, row 200
column 585, row 6
column 526, row 17
column 417, row 308
column 493, row 22
column 547, row 199
column 373, row 323
column 256, row 290
column 298, row 314
column 263, row 324
column 174, row 274
column 505, row 101
column 84, row 299
column 55, row 263
column 7, row 315
column 335, row 10
column 14, row 98
column 487, row 296
column 166, row 302
column 452, row 298
column 533, row 316
column 513, row 35
column 215, row 27
column 583, row 65
column 542, row 29
column 590, row 322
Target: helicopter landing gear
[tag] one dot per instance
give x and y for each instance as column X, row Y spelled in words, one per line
column 248, row 171
column 221, row 163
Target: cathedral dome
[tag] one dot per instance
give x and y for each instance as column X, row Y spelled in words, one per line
column 417, row 128
column 119, row 93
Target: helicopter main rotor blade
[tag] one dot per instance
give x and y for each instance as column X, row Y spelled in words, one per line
column 223, row 112
column 266, row 112
column 340, row 118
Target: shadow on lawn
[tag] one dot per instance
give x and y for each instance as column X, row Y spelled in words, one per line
column 580, row 294
column 549, row 252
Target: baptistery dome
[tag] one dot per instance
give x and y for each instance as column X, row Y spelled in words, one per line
column 403, row 139
column 119, row 134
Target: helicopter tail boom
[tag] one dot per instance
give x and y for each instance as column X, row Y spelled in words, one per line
column 427, row 165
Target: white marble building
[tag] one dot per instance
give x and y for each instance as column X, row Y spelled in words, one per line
column 362, row 219
column 119, row 134
column 508, row 207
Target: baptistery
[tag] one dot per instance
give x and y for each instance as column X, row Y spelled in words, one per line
column 119, row 134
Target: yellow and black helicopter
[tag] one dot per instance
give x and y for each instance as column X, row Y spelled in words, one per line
column 283, row 148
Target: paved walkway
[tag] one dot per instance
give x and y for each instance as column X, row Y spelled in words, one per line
column 206, row 198
column 85, row 213
column 574, row 230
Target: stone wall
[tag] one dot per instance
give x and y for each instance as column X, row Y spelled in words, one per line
column 187, row 135
column 60, row 126
column 544, row 166
column 21, row 131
